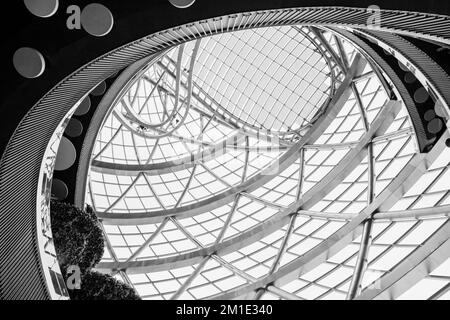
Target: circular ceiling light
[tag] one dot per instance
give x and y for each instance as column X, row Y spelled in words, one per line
column 182, row 4
column 42, row 8
column 74, row 128
column 99, row 89
column 66, row 155
column 29, row 62
column 421, row 95
column 59, row 189
column 84, row 107
column 97, row 19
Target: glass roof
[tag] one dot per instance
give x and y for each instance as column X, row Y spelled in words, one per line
column 232, row 159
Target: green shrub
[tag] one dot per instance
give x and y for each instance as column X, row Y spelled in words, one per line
column 77, row 236
column 98, row 286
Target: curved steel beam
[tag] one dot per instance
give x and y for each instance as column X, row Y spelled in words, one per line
column 124, row 121
column 309, row 199
column 133, row 116
column 212, row 152
column 400, row 89
column 221, row 119
column 209, row 154
column 170, row 166
column 412, row 269
column 333, row 109
column 127, row 72
column 228, row 116
column 318, row 33
column 18, row 165
column 399, row 134
column 336, row 242
column 308, row 16
column 441, row 211
column 427, row 71
column 366, row 239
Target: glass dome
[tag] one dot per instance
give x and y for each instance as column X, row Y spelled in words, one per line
column 227, row 163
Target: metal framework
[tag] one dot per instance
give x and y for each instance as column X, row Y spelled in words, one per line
column 24, row 247
column 192, row 214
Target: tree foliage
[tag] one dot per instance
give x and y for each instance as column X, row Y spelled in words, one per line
column 79, row 242
column 77, row 236
column 98, row 286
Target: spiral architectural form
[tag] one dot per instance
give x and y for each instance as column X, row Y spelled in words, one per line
column 238, row 151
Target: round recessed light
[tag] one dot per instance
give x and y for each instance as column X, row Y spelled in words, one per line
column 429, row 115
column 59, row 189
column 435, row 125
column 421, row 95
column 99, row 89
column 29, row 62
column 182, row 4
column 42, row 8
column 66, row 156
column 410, row 78
column 84, row 107
column 403, row 67
column 439, row 109
column 97, row 20
column 74, row 128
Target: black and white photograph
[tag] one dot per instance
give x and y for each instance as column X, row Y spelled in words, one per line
column 225, row 157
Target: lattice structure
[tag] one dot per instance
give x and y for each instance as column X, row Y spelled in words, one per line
column 288, row 178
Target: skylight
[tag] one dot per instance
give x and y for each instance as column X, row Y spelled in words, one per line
column 231, row 160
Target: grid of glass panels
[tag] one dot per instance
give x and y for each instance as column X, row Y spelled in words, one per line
column 275, row 79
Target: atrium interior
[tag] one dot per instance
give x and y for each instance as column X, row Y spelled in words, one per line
column 267, row 152
column 229, row 158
